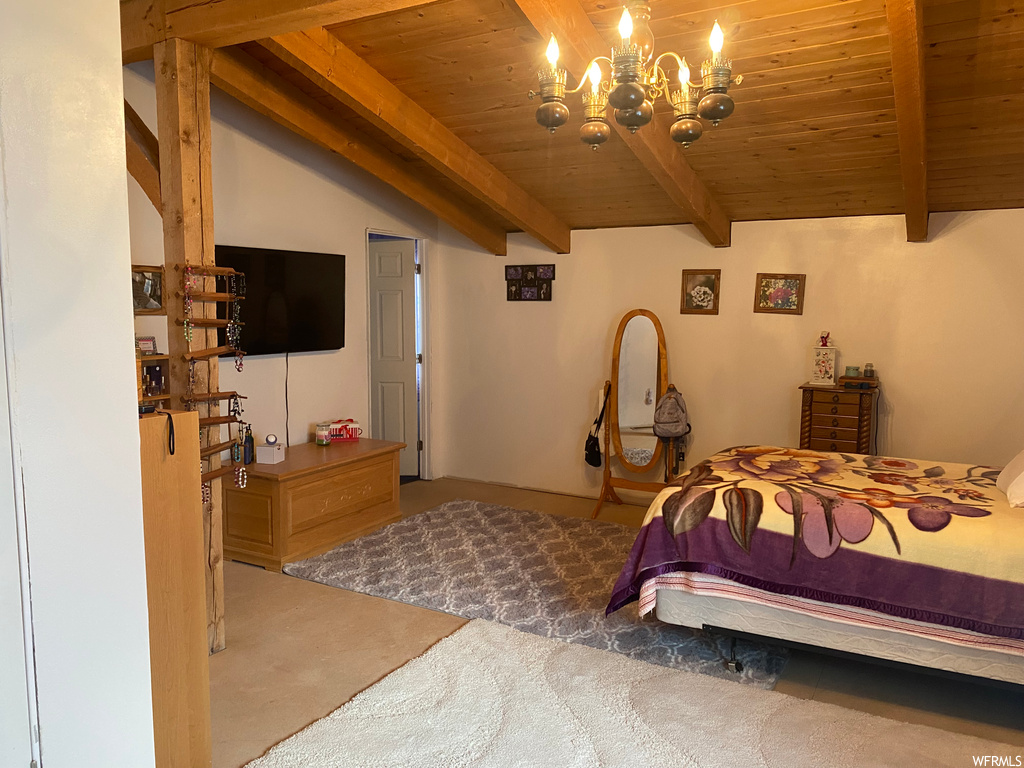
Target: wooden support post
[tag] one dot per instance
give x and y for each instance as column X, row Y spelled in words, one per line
column 183, row 129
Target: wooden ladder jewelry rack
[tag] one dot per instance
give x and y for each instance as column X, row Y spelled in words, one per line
column 204, row 278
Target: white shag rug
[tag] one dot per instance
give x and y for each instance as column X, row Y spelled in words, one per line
column 492, row 696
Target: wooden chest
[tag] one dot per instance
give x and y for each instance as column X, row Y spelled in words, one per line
column 836, row 419
column 317, row 498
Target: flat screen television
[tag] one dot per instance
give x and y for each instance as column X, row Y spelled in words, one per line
column 294, row 300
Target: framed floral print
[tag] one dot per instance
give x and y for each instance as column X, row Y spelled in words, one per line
column 779, row 293
column 700, row 292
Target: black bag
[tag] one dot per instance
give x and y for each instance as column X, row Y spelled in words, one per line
column 592, row 449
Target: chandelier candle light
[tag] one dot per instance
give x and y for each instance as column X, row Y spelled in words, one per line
column 633, row 86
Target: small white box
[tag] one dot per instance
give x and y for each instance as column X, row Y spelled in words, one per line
column 269, row 454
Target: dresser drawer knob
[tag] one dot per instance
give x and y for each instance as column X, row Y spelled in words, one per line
column 835, row 398
column 834, row 409
column 833, row 446
column 833, row 435
column 835, row 422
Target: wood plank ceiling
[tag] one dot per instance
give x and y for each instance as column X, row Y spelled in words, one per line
column 814, row 132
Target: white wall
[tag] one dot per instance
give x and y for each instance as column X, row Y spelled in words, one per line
column 272, row 189
column 67, row 316
column 942, row 322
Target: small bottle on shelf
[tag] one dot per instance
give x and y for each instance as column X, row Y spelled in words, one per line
column 248, row 447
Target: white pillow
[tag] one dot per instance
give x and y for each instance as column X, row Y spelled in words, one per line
column 1011, row 480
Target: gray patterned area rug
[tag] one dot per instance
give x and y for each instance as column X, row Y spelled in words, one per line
column 538, row 573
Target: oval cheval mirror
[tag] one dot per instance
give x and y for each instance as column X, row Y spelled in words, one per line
column 639, row 379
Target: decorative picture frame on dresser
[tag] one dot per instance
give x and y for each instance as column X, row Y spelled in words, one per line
column 700, row 291
column 148, row 290
column 779, row 293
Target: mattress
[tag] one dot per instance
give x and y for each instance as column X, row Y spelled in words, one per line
column 694, row 610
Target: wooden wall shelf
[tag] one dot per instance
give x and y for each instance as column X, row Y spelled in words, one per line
column 214, row 421
column 206, row 354
column 215, row 449
column 208, row 476
column 208, row 269
column 204, row 296
column 207, row 322
column 205, row 397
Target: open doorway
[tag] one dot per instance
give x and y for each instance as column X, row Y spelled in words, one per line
column 396, row 347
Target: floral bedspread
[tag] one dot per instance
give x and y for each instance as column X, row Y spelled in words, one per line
column 924, row 540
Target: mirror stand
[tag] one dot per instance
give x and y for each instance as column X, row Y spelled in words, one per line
column 611, row 482
column 639, row 379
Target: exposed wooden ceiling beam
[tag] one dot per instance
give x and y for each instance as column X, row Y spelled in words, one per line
column 217, row 23
column 269, row 94
column 143, row 151
column 906, row 36
column 579, row 42
column 322, row 58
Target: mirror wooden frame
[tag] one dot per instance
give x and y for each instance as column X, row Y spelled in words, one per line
column 611, row 431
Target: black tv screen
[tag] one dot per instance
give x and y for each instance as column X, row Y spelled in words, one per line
column 294, row 300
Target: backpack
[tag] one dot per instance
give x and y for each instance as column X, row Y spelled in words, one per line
column 670, row 419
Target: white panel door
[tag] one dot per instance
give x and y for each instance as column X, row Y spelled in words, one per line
column 15, row 717
column 394, row 395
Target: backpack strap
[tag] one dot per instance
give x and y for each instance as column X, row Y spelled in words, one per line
column 600, row 416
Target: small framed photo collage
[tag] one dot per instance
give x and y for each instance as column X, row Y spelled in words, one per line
column 529, row 282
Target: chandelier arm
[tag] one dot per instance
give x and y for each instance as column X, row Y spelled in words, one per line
column 680, row 61
column 673, row 54
column 585, row 80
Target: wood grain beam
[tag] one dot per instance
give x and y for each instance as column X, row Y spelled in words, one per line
column 264, row 91
column 906, row 36
column 335, row 68
column 186, row 185
column 143, row 153
column 579, row 42
column 217, row 23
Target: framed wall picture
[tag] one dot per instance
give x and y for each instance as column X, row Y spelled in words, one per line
column 148, row 290
column 700, row 292
column 146, row 344
column 781, row 294
column 529, row 282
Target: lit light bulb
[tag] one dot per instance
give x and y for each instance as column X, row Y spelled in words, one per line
column 684, row 75
column 625, row 25
column 717, row 38
column 552, row 52
column 595, row 77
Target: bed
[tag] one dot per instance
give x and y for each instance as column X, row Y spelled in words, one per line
column 914, row 561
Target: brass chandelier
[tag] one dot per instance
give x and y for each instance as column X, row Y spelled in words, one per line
column 634, row 84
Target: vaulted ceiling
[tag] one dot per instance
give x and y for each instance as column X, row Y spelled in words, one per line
column 847, row 107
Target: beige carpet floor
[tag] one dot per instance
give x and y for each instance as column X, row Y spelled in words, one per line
column 490, row 696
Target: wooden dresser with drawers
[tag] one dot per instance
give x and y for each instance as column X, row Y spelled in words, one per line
column 837, row 419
